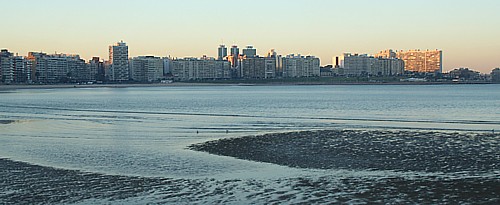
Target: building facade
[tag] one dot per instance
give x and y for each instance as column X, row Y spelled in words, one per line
column 56, row 68
column 365, row 65
column 250, row 52
column 235, row 56
column 200, row 69
column 96, row 71
column 257, row 68
column 495, row 75
column 428, row 61
column 118, row 59
column 6, row 67
column 146, row 68
column 222, row 52
column 295, row 66
column 465, row 74
column 13, row 69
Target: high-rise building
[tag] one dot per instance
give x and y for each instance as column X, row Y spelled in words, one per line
column 363, row 64
column 21, row 72
column 235, row 56
column 428, row 61
column 36, row 63
column 56, row 68
column 118, row 58
column 167, row 66
column 6, row 67
column 146, row 68
column 250, row 52
column 222, row 52
column 495, row 75
column 198, row 69
column 279, row 62
column 95, row 69
column 295, row 66
column 257, row 68
column 13, row 68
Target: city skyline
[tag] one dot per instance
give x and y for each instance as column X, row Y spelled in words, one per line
column 466, row 31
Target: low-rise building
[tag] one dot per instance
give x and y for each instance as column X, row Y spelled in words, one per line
column 465, row 74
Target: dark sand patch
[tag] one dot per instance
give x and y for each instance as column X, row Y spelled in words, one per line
column 7, row 121
column 367, row 150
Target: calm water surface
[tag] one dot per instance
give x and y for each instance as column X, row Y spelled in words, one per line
column 145, row 131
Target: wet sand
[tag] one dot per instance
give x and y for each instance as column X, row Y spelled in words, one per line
column 367, row 150
column 22, row 183
column 478, row 181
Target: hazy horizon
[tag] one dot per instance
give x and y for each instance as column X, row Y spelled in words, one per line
column 466, row 31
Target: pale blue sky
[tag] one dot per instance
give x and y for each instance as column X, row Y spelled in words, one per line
column 467, row 31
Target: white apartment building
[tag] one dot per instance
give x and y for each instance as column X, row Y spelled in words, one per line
column 197, row 69
column 146, row 68
column 118, row 58
column 363, row 64
column 295, row 66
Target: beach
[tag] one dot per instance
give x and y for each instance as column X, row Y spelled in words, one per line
column 478, row 181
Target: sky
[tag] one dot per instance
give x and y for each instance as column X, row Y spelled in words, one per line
column 468, row 31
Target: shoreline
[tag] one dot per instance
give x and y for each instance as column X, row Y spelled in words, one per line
column 202, row 84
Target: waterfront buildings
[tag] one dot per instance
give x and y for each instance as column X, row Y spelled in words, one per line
column 464, row 74
column 257, row 67
column 118, row 59
column 295, row 66
column 13, row 68
column 146, row 68
column 96, row 70
column 364, row 65
column 55, row 68
column 428, row 61
column 279, row 62
column 199, row 69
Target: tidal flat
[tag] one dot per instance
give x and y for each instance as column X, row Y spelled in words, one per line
column 345, row 166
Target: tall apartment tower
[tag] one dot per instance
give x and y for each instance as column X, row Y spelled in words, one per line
column 250, row 52
column 222, row 52
column 118, row 58
column 235, row 54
